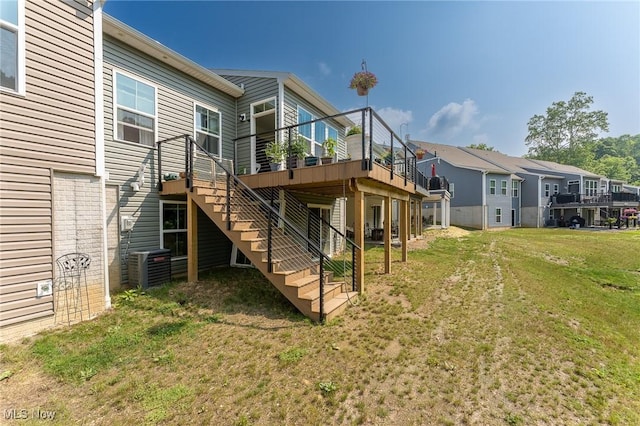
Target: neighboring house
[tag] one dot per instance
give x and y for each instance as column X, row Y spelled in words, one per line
column 536, row 193
column 530, row 190
column 483, row 195
column 577, row 192
column 51, row 163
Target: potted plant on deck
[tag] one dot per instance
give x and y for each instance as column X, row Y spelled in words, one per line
column 298, row 151
column 275, row 152
column 330, row 145
column 420, row 153
column 362, row 81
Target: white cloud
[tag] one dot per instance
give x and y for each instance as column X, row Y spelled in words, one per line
column 324, row 68
column 452, row 118
column 395, row 118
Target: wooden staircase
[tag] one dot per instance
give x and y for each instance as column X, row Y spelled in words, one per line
column 295, row 271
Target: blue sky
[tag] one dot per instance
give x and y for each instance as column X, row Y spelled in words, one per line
column 456, row 72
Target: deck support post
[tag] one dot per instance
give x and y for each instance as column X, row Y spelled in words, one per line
column 404, row 225
column 358, row 234
column 387, row 234
column 192, row 239
column 418, row 214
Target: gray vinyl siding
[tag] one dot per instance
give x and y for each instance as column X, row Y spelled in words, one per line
column 529, row 190
column 51, row 127
column 176, row 94
column 498, row 201
column 256, row 89
column 468, row 183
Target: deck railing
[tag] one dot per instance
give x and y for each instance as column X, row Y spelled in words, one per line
column 376, row 143
column 605, row 199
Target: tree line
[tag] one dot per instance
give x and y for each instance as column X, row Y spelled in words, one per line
column 568, row 134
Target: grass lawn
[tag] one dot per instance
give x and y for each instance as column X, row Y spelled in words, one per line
column 518, row 327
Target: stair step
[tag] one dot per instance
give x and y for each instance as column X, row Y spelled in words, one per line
column 241, row 224
column 337, row 305
column 292, row 263
column 331, row 290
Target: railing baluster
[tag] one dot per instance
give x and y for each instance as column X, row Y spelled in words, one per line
column 353, row 268
column 228, row 202
column 321, row 288
column 288, row 162
column 269, row 237
column 370, row 138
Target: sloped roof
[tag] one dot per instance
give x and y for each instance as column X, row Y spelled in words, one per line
column 294, row 83
column 513, row 164
column 459, row 157
column 464, row 157
column 563, row 168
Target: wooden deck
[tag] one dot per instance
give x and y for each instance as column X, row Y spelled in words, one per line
column 333, row 179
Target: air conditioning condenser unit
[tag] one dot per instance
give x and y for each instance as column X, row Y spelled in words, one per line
column 150, row 268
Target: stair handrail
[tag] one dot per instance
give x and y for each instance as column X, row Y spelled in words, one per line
column 159, row 147
column 190, row 143
column 323, row 221
column 354, row 246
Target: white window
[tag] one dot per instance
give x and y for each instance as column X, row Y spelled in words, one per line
column 547, row 189
column 616, row 188
column 135, row 112
column 492, row 187
column 452, row 189
column 12, row 46
column 503, row 187
column 266, row 106
column 498, row 215
column 515, row 188
column 316, row 132
column 207, row 129
column 173, row 227
column 556, row 188
column 591, row 187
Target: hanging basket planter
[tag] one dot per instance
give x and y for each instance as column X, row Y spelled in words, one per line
column 363, row 81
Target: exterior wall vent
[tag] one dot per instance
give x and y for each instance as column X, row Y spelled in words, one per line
column 150, row 268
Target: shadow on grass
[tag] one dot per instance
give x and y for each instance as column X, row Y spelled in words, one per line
column 222, row 292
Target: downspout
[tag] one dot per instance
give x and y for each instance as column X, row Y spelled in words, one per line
column 98, row 59
column 539, row 198
column 484, row 199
